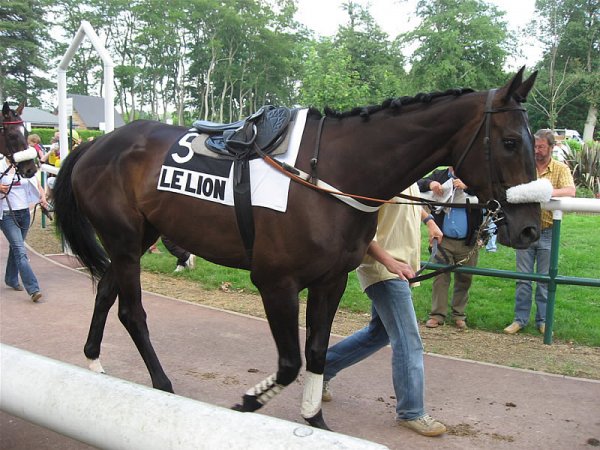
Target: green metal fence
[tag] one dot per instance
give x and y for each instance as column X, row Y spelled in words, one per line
column 552, row 278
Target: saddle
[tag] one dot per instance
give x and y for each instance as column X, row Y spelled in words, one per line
column 266, row 129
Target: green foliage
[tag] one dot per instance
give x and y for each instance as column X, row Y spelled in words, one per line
column 585, row 167
column 46, row 134
column 85, row 134
column 328, row 79
column 491, row 304
column 359, row 66
column 461, row 43
column 574, row 145
column 23, row 34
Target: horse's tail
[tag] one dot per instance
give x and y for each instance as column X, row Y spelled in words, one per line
column 72, row 223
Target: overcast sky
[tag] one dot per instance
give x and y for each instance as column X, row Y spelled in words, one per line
column 394, row 17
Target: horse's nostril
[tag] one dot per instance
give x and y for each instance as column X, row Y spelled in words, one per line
column 530, row 234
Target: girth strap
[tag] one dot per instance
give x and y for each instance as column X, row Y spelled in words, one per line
column 242, row 199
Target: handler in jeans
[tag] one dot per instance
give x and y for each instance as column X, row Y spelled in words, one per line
column 382, row 275
column 16, row 194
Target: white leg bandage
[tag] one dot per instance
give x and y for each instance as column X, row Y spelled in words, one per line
column 311, row 397
column 266, row 389
column 538, row 191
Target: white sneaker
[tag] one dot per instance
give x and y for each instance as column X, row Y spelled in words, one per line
column 179, row 269
column 191, row 262
column 426, row 425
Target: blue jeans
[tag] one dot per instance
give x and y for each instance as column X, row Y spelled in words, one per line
column 14, row 225
column 393, row 320
column 537, row 254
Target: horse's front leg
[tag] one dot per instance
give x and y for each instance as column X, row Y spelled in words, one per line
column 281, row 308
column 322, row 304
column 105, row 299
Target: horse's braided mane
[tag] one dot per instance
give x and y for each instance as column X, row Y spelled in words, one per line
column 392, row 103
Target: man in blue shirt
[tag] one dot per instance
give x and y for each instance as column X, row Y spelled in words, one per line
column 459, row 226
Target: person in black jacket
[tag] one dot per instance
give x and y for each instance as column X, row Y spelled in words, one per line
column 459, row 244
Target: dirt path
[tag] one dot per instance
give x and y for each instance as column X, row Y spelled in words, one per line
column 522, row 351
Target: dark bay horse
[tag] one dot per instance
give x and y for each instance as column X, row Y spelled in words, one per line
column 108, row 188
column 13, row 141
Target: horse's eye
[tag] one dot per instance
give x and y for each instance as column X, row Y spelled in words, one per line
column 510, row 144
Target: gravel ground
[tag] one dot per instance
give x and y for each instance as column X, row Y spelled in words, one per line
column 521, row 351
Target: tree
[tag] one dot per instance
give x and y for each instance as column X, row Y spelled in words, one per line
column 569, row 91
column 328, row 79
column 359, row 66
column 22, row 43
column 460, row 43
column 377, row 61
column 85, row 68
column 242, row 55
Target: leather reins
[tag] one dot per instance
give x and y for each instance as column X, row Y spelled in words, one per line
column 312, row 181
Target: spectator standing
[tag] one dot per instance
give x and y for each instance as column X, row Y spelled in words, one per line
column 460, row 226
column 34, row 141
column 538, row 253
column 52, row 157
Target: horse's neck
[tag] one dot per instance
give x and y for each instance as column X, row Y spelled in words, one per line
column 381, row 158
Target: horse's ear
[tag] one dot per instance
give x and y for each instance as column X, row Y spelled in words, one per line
column 523, row 90
column 512, row 86
column 19, row 110
column 5, row 109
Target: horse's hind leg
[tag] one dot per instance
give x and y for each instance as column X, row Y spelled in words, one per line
column 105, row 299
column 281, row 307
column 126, row 267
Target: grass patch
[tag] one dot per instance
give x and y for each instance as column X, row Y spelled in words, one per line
column 491, row 300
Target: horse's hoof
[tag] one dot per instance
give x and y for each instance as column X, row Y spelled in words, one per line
column 250, row 404
column 169, row 389
column 95, row 366
column 317, row 421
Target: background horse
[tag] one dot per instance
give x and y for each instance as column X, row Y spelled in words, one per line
column 110, row 186
column 13, row 141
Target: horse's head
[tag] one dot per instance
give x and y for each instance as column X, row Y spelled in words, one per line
column 13, row 142
column 505, row 160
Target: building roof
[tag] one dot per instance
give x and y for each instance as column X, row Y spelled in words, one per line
column 91, row 110
column 39, row 118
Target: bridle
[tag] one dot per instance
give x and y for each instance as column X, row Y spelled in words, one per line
column 486, row 123
column 7, row 142
column 15, row 155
